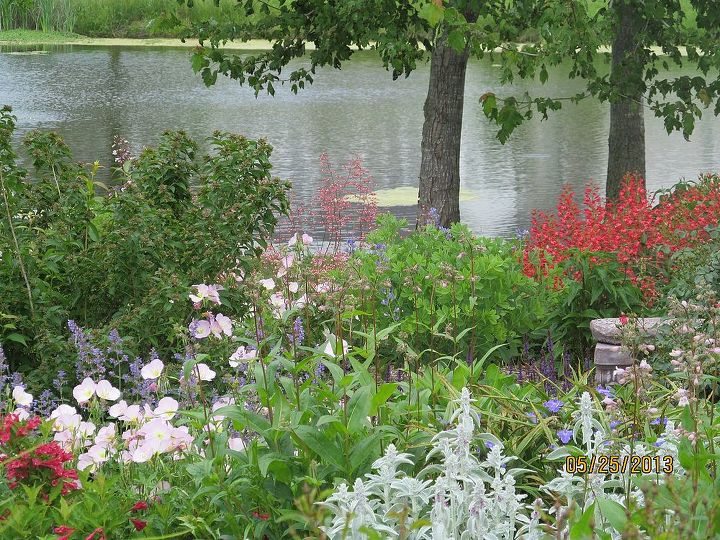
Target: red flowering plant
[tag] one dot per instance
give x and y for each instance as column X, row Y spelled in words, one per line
column 631, row 231
column 31, row 463
column 600, row 253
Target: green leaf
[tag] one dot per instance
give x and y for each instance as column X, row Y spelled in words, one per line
column 381, row 396
column 358, row 409
column 319, row 443
column 17, row 338
column 613, row 512
column 432, row 13
column 456, row 40
column 581, row 529
column 364, row 451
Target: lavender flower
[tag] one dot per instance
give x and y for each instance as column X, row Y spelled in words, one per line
column 565, row 435
column 553, row 405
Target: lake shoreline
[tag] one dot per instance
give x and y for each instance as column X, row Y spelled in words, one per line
column 33, row 38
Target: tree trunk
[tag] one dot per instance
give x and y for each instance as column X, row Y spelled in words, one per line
column 439, row 192
column 626, row 142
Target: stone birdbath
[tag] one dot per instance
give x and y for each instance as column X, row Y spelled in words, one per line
column 609, row 354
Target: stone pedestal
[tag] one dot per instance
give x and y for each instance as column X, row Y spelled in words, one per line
column 608, row 352
column 607, row 358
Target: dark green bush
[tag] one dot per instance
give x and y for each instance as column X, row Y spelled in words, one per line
column 126, row 259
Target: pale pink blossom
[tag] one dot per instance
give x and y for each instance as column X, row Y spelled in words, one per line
column 118, row 409
column 21, row 397
column 269, row 283
column 204, row 372
column 237, row 444
column 223, row 325
column 106, row 391
column 153, row 370
column 106, row 435
column 84, row 391
column 209, row 292
column 242, row 354
column 133, row 413
column 166, row 408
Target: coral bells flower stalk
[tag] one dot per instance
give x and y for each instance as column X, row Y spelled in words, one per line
column 339, row 191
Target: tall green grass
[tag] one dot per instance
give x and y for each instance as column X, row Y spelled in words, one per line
column 111, row 18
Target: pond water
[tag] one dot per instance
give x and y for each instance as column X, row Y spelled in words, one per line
column 90, row 94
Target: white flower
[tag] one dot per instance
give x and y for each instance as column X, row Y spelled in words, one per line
column 106, row 391
column 166, row 408
column 331, row 346
column 158, row 435
column 237, row 444
column 269, row 283
column 293, row 286
column 225, row 325
column 21, row 397
column 84, row 391
column 206, row 291
column 105, row 435
column 287, row 261
column 152, row 370
column 118, row 409
column 307, row 239
column 293, row 240
column 142, row 453
column 204, row 372
column 322, row 287
column 22, row 414
column 132, row 413
column 242, row 354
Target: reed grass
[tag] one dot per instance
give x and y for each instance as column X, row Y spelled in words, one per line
column 111, row 18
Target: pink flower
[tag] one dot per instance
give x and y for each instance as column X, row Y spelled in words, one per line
column 242, row 354
column 84, row 391
column 222, row 325
column 106, row 391
column 209, row 292
column 199, row 329
column 153, row 370
column 204, row 372
column 269, row 283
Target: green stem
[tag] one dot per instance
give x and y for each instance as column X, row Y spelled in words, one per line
column 23, row 271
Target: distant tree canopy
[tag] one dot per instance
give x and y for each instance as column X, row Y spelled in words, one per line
column 450, row 31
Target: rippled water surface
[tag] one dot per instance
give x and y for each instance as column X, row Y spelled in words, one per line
column 91, row 94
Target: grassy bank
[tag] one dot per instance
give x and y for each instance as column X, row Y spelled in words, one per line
column 35, row 37
column 112, row 18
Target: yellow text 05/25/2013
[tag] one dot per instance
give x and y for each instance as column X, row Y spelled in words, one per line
column 609, row 464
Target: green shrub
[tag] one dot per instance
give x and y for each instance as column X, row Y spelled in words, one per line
column 123, row 260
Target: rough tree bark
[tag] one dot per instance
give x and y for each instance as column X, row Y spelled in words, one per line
column 626, row 142
column 440, row 148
